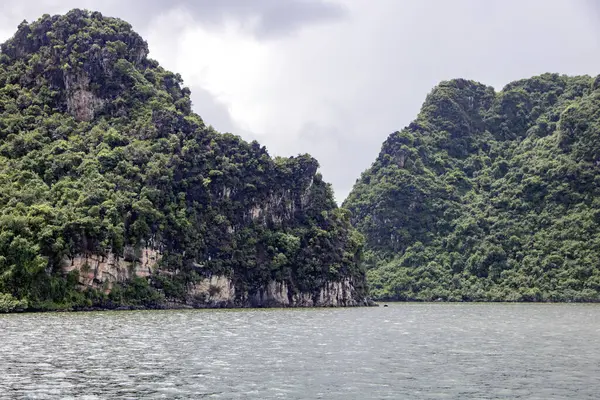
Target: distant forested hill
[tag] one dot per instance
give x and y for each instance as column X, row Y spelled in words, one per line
column 488, row 195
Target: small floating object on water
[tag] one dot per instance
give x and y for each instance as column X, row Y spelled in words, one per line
column 385, row 305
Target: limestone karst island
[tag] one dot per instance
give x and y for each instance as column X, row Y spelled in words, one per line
column 115, row 194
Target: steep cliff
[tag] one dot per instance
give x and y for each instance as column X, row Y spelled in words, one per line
column 488, row 196
column 114, row 193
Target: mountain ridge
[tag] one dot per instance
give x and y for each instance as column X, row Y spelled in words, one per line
column 487, row 196
column 115, row 194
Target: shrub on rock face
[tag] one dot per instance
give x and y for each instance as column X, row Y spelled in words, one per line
column 8, row 303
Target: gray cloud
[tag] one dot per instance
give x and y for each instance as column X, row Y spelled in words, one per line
column 212, row 111
column 273, row 17
column 409, row 47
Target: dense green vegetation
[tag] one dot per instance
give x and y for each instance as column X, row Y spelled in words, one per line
column 100, row 153
column 488, row 196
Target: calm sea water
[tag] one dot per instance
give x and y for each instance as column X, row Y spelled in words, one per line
column 405, row 351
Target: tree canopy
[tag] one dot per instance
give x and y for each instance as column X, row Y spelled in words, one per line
column 488, row 196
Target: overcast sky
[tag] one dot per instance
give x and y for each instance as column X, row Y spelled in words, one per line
column 335, row 77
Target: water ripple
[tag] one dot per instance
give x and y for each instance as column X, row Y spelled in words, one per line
column 416, row 351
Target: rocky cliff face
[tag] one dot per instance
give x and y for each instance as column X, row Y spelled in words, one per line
column 76, row 71
column 82, row 103
column 218, row 291
column 104, row 271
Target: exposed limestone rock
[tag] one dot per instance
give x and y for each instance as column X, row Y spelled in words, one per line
column 226, row 193
column 255, row 212
column 101, row 272
column 279, row 207
column 81, row 102
column 275, row 293
column 401, row 159
column 216, row 291
column 304, row 199
column 220, row 291
column 337, row 294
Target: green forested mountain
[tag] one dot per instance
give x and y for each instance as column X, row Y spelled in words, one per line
column 488, row 196
column 113, row 192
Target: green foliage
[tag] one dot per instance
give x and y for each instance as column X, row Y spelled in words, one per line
column 8, row 303
column 488, row 196
column 100, row 153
